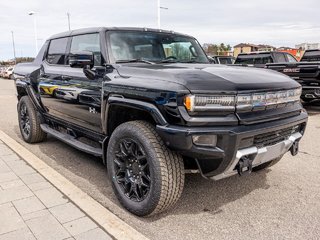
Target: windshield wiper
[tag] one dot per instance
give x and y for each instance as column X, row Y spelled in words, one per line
column 169, row 61
column 137, row 60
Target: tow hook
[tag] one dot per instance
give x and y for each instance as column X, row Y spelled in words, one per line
column 244, row 166
column 294, row 148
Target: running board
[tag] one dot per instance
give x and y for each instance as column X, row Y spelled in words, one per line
column 68, row 139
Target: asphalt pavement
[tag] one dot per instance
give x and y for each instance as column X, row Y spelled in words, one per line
column 282, row 202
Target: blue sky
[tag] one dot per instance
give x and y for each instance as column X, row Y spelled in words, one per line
column 279, row 23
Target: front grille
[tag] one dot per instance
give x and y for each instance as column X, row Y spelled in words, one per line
column 272, row 138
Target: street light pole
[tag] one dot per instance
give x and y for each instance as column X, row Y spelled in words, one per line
column 14, row 48
column 159, row 13
column 35, row 29
column 68, row 14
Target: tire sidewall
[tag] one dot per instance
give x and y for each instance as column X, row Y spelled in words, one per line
column 147, row 205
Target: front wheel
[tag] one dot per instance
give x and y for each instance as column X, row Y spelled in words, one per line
column 146, row 176
column 29, row 122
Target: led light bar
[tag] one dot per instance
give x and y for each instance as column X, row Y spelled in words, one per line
column 241, row 102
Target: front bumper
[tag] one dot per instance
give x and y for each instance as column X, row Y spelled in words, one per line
column 234, row 142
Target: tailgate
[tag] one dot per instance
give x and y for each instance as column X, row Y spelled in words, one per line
column 302, row 70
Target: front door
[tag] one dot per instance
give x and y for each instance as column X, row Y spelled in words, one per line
column 66, row 92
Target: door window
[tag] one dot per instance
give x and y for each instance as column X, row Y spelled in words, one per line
column 280, row 57
column 89, row 43
column 291, row 59
column 57, row 51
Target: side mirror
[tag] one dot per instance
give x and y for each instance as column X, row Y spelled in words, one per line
column 83, row 59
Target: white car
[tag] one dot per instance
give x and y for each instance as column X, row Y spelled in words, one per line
column 8, row 73
column 2, row 70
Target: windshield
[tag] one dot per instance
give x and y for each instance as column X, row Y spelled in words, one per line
column 311, row 56
column 154, row 47
column 254, row 59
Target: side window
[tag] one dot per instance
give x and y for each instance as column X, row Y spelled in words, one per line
column 88, row 42
column 280, row 57
column 57, row 51
column 291, row 58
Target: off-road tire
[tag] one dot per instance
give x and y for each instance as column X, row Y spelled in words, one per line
column 35, row 134
column 266, row 165
column 166, row 169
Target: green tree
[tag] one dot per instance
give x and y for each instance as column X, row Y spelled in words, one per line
column 215, row 49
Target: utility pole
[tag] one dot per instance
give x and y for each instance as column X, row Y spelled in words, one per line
column 68, row 14
column 14, row 48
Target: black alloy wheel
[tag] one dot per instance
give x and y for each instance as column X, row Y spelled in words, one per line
column 29, row 121
column 25, row 120
column 132, row 170
column 146, row 176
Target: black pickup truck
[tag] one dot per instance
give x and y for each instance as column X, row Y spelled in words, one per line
column 149, row 103
column 260, row 59
column 306, row 72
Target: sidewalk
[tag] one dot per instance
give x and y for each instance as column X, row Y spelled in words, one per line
column 31, row 208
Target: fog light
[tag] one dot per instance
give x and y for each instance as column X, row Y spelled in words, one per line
column 205, row 140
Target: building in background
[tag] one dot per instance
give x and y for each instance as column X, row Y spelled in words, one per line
column 244, row 48
column 249, row 47
column 308, row 46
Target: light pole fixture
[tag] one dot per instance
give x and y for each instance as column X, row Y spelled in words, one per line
column 32, row 13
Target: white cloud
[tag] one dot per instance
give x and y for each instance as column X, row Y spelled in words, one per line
column 275, row 22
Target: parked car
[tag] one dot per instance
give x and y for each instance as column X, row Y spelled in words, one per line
column 312, row 55
column 260, row 59
column 306, row 72
column 155, row 107
column 8, row 73
column 2, row 70
column 226, row 60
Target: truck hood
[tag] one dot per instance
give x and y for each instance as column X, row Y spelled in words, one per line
column 207, row 78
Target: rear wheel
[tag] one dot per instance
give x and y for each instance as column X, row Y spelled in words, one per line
column 146, row 176
column 29, row 122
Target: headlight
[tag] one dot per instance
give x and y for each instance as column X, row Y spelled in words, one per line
column 203, row 103
column 241, row 102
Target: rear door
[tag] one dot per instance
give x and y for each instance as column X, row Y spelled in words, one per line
column 66, row 92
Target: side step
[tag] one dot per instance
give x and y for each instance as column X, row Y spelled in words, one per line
column 66, row 138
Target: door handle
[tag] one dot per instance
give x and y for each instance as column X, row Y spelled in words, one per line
column 66, row 78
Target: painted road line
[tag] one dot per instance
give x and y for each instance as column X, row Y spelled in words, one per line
column 105, row 218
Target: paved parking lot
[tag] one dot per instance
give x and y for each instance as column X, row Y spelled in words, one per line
column 280, row 203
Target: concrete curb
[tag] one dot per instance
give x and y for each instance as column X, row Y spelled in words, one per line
column 106, row 219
